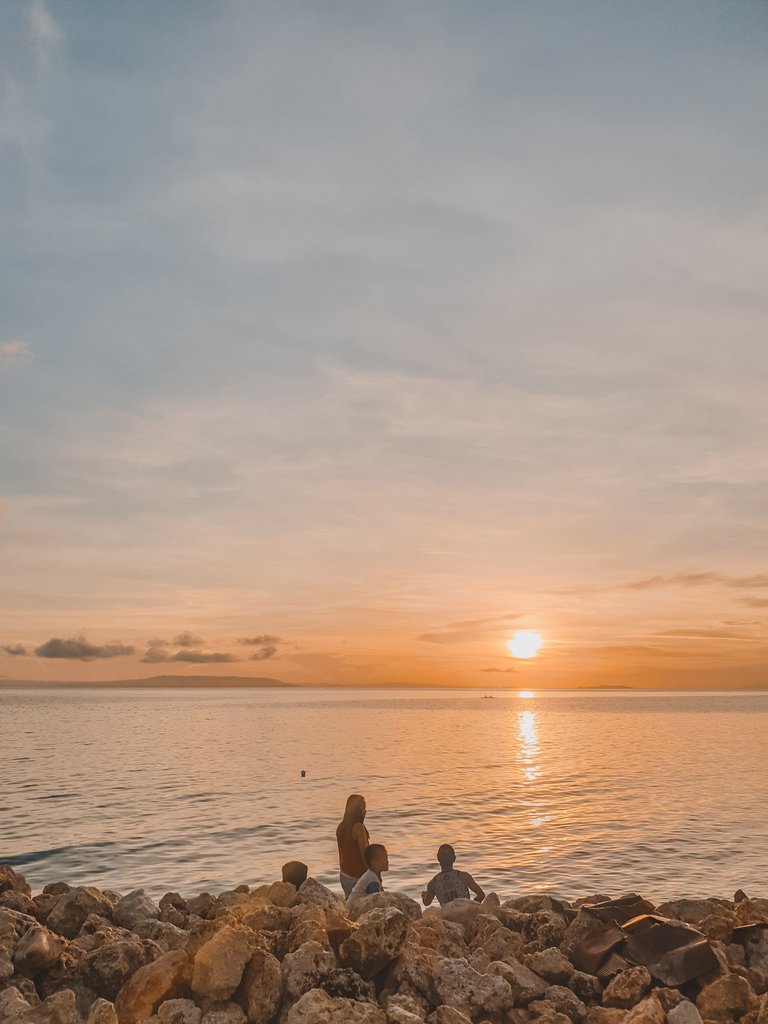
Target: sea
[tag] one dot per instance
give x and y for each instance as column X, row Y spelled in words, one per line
column 572, row 793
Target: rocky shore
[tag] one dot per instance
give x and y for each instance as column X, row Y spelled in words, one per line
column 79, row 955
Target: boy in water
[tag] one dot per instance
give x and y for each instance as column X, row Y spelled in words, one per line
column 377, row 861
column 450, row 884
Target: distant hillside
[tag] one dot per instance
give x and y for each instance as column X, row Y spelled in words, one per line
column 159, row 682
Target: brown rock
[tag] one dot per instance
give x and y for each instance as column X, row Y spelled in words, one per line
column 726, row 999
column 448, row 1015
column 317, row 1007
column 223, row 1013
column 70, row 911
column 604, row 1015
column 59, row 1008
column 179, row 1011
column 109, row 966
column 551, row 965
column 311, row 891
column 220, row 963
column 167, row 977
column 11, row 881
column 627, row 988
column 377, row 941
column 102, row 1012
column 457, row 984
column 649, row 1011
column 526, row 985
column 261, row 990
column 381, row 900
column 12, row 1005
column 37, row 950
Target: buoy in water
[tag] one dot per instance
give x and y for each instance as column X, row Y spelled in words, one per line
column 303, row 774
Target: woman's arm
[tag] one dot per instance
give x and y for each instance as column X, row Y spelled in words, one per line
column 360, row 835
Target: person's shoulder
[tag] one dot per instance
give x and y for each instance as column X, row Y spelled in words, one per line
column 465, row 876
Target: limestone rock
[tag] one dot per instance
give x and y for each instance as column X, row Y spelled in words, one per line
column 684, row 1013
column 692, row 911
column 12, row 881
column 165, row 978
column 311, row 891
column 223, row 1013
column 551, row 965
column 565, row 1002
column 649, row 1011
column 458, row 985
column 59, row 1008
column 19, row 902
column 415, row 969
column 179, row 1011
column 220, row 963
column 377, row 941
column 164, row 934
column 204, row 905
column 344, row 983
column 70, row 911
column 135, row 907
column 627, row 988
column 102, row 1012
column 404, row 1009
column 668, row 997
column 317, row 1007
column 526, row 985
column 604, row 1015
column 282, row 894
column 304, row 970
column 448, row 1015
column 587, row 987
column 262, row 988
column 12, row 1005
column 378, row 900
column 754, row 911
column 37, row 949
column 107, row 968
column 6, row 965
column 462, row 912
column 726, row 999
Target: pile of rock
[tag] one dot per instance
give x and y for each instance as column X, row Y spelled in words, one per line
column 76, row 955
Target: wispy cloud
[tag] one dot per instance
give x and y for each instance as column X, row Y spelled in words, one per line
column 466, row 630
column 757, row 581
column 16, row 650
column 14, row 352
column 203, row 657
column 187, row 639
column 268, row 651
column 79, row 648
column 259, row 641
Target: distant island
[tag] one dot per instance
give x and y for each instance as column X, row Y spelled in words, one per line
column 159, row 682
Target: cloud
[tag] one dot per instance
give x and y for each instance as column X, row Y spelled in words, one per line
column 755, row 602
column 77, row 647
column 259, row 641
column 14, row 352
column 266, row 652
column 503, row 670
column 468, row 629
column 16, row 650
column 187, row 640
column 45, row 31
column 758, row 581
column 202, row 657
column 705, row 634
column 155, row 654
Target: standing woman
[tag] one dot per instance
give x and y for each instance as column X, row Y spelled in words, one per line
column 352, row 837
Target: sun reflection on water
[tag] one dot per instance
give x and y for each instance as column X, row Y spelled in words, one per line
column 529, row 745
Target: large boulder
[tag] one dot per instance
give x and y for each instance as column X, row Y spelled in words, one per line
column 448, row 1015
column 684, row 1013
column 726, row 999
column 317, row 1007
column 12, row 1005
column 179, row 1011
column 377, row 941
column 12, row 881
column 627, row 988
column 551, row 965
column 304, row 969
column 59, row 1008
column 107, row 968
column 692, row 911
column 37, row 950
column 311, row 891
column 223, row 1013
column 378, row 900
column 133, row 908
column 220, row 962
column 526, row 985
column 165, row 978
column 459, row 985
column 102, row 1012
column 261, row 990
column 70, row 911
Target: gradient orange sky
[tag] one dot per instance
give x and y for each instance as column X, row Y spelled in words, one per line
column 335, row 347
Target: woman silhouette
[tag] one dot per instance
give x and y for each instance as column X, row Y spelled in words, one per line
column 352, row 838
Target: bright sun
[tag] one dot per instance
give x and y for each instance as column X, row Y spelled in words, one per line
column 525, row 643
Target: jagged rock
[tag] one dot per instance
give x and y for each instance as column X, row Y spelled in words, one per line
column 281, row 894
column 668, row 997
column 102, row 1012
column 754, row 911
column 756, row 949
column 551, row 965
column 649, row 1011
column 179, row 1011
column 457, row 984
column 262, row 988
column 404, row 1009
column 502, row 944
column 107, row 968
column 692, row 911
column 133, row 908
column 546, row 928
column 204, row 905
column 223, row 1013
column 59, row 1008
column 604, row 1015
column 462, row 912
column 37, row 949
column 317, row 1007
column 415, row 969
column 726, row 999
column 627, row 988
column 378, row 900
column 311, row 891
column 587, row 987
column 377, row 941
column 344, row 983
column 12, row 881
column 399, row 1015
column 44, row 902
column 448, row 1015
column 165, row 978
column 6, row 965
column 220, row 962
column 164, row 934
column 70, row 911
column 565, row 1001
column 718, row 926
column 526, row 985
column 758, row 1014
column 444, row 936
column 264, row 917
column 305, row 969
column 684, row 1013
column 19, row 902
column 174, row 900
column 12, row 1005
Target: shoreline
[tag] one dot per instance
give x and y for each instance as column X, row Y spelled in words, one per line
column 272, row 954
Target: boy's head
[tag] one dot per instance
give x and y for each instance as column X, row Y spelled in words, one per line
column 376, row 858
column 295, row 872
column 446, row 857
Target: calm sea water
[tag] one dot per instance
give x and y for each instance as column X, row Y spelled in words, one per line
column 572, row 793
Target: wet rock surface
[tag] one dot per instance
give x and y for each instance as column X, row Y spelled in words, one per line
column 275, row 955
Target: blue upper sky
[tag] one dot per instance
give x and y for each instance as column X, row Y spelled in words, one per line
column 348, row 321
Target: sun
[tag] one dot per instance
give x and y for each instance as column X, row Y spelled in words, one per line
column 525, row 643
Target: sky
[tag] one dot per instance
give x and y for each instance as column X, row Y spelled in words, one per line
column 339, row 341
